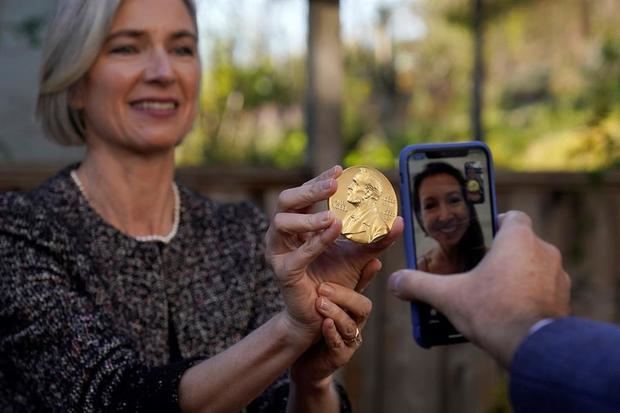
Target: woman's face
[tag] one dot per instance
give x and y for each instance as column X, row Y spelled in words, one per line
column 445, row 214
column 141, row 92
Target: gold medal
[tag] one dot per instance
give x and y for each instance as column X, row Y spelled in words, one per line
column 366, row 203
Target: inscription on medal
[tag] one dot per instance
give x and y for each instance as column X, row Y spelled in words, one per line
column 339, row 205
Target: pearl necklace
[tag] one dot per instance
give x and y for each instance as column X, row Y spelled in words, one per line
column 145, row 238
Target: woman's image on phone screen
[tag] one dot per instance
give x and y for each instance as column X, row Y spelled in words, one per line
column 450, row 238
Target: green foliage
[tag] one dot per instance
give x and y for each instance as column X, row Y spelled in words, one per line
column 459, row 11
column 549, row 105
column 566, row 131
column 552, row 92
column 248, row 113
column 604, row 88
column 292, row 151
column 588, row 148
column 372, row 150
column 526, row 90
column 387, row 107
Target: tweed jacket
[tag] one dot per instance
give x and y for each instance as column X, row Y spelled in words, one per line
column 94, row 320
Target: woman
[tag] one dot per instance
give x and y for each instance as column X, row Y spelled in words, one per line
column 123, row 291
column 444, row 213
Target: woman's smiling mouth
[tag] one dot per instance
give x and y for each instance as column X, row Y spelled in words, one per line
column 450, row 228
column 156, row 107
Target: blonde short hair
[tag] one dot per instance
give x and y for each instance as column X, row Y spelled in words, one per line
column 75, row 35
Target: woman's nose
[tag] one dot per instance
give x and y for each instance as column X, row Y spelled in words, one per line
column 444, row 212
column 159, row 68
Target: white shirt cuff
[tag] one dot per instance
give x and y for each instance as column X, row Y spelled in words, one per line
column 540, row 324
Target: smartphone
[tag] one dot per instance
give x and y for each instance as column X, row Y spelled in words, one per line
column 448, row 203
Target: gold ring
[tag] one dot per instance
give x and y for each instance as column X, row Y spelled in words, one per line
column 356, row 340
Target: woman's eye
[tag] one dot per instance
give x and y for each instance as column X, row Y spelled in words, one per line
column 123, row 50
column 455, row 200
column 429, row 205
column 184, row 51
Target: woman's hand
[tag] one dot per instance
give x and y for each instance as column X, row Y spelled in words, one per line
column 304, row 251
column 346, row 312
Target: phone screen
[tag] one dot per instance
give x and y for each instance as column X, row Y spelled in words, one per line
column 452, row 218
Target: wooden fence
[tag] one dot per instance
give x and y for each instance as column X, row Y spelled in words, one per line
column 579, row 213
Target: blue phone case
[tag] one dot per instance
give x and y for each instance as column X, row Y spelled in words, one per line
column 408, row 213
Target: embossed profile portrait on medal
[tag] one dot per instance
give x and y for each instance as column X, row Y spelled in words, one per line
column 364, row 222
column 366, row 204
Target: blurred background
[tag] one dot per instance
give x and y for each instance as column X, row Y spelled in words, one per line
column 291, row 87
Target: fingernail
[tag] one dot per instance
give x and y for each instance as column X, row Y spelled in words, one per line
column 394, row 281
column 327, row 216
column 325, row 304
column 326, row 289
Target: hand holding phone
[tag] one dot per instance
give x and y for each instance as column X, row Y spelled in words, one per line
column 524, row 268
column 448, row 203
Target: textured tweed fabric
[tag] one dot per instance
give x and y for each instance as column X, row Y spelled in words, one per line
column 92, row 320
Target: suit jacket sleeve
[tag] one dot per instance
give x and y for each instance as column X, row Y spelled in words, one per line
column 570, row 365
